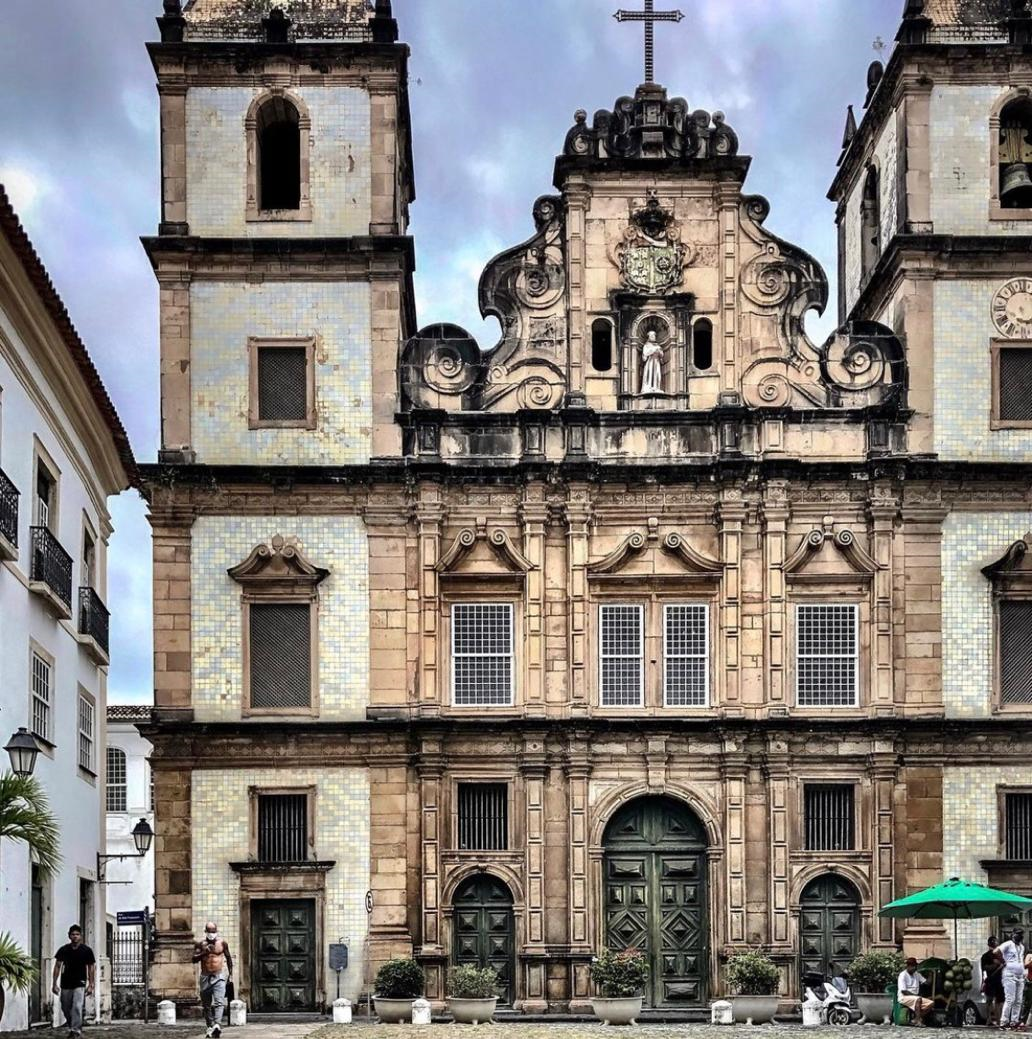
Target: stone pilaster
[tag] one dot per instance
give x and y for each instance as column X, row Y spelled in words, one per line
column 730, row 516
column 430, row 769
column 735, row 782
column 578, row 773
column 533, row 516
column 534, row 954
column 883, row 511
column 429, row 517
column 578, row 515
column 775, row 526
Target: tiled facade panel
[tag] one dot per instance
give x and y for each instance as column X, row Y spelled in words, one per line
column 970, row 821
column 969, row 542
column 964, row 331
column 960, row 161
column 221, row 835
column 224, row 315
column 216, row 163
column 337, row 543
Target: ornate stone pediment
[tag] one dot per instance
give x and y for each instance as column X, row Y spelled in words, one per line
column 821, row 553
column 477, row 551
column 1013, row 570
column 648, row 554
column 278, row 568
column 651, row 255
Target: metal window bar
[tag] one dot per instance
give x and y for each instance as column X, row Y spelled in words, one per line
column 830, row 817
column 621, row 655
column 483, row 817
column 85, row 734
column 282, row 383
column 8, row 510
column 116, row 780
column 94, row 619
column 51, row 564
column 281, row 655
column 827, row 658
column 282, row 827
column 1015, row 651
column 686, row 655
column 127, row 952
column 41, row 680
column 1018, row 826
column 1015, row 382
column 482, row 654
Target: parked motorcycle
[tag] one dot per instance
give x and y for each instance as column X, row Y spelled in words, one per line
column 833, row 998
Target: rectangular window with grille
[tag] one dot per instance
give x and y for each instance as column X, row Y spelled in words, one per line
column 483, row 816
column 1012, row 379
column 827, row 657
column 686, row 655
column 87, row 760
column 1014, row 648
column 280, row 650
column 482, row 654
column 282, row 384
column 829, row 817
column 116, row 780
column 1017, row 822
column 621, row 655
column 282, row 827
column 42, row 686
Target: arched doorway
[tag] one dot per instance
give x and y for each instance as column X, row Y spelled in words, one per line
column 655, row 896
column 829, row 925
column 485, row 931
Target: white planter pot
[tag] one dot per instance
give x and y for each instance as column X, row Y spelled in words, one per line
column 393, row 1011
column 471, row 1011
column 875, row 1006
column 755, row 1010
column 622, row 1010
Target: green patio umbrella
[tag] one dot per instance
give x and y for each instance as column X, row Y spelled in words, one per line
column 957, row 900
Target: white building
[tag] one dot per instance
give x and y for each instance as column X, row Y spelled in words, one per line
column 63, row 453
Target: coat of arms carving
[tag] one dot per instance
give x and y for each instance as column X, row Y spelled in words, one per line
column 651, row 255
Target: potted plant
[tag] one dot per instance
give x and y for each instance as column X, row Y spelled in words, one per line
column 472, row 994
column 754, row 980
column 620, row 979
column 398, row 983
column 869, row 976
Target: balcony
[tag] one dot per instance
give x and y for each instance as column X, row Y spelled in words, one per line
column 8, row 518
column 93, row 625
column 50, row 575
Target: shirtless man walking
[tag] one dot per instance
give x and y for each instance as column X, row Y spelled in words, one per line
column 212, row 953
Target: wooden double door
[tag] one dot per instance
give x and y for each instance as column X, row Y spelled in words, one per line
column 485, row 932
column 655, row 897
column 829, row 926
column 283, row 956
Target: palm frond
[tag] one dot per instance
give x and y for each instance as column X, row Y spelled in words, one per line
column 17, row 970
column 25, row 816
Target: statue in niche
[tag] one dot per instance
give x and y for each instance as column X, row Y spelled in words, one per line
column 651, row 364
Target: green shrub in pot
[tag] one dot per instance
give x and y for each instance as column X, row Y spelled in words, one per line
column 619, row 975
column 400, row 978
column 875, row 971
column 468, row 982
column 753, row 974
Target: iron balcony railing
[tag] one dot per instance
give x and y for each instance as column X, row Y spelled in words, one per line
column 8, row 509
column 93, row 617
column 51, row 565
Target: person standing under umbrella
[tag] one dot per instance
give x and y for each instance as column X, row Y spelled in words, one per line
column 1011, row 955
column 992, row 982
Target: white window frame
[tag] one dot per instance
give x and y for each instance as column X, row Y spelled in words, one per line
column 508, row 607
column 110, row 787
column 86, row 733
column 855, row 608
column 704, row 657
column 39, row 664
column 602, row 657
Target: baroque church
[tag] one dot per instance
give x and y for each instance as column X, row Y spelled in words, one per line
column 653, row 624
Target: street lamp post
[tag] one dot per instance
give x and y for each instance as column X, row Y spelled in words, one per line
column 23, row 750
column 142, row 837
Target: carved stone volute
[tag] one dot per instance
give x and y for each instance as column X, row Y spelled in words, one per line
column 278, row 569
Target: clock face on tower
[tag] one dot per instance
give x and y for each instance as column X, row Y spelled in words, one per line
column 1012, row 309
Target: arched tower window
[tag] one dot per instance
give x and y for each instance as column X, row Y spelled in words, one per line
column 870, row 222
column 702, row 345
column 602, row 345
column 278, row 146
column 1015, row 155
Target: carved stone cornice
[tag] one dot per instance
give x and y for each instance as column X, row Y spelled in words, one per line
column 499, row 542
column 846, row 544
column 278, row 568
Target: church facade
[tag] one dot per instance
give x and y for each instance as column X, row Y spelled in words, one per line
column 653, row 624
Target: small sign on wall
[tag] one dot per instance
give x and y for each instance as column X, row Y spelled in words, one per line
column 338, row 957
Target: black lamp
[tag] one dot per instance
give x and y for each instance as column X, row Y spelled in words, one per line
column 23, row 749
column 142, row 836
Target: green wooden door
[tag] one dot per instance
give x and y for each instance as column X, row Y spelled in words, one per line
column 36, row 947
column 283, row 956
column 655, row 897
column 484, row 930
column 829, row 926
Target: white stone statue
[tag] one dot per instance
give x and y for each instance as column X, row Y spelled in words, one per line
column 651, row 365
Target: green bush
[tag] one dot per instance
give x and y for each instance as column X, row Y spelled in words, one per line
column 875, row 971
column 619, row 975
column 753, row 974
column 472, row 983
column 400, row 979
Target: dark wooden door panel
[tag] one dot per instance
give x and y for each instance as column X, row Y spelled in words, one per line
column 829, row 926
column 283, row 956
column 485, row 933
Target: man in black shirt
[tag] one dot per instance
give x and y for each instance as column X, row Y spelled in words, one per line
column 992, row 983
column 77, row 967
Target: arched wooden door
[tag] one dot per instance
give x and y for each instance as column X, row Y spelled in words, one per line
column 485, row 930
column 829, row 926
column 655, row 896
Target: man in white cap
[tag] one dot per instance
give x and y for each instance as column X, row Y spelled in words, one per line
column 212, row 953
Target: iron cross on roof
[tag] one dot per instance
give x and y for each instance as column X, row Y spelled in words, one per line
column 649, row 16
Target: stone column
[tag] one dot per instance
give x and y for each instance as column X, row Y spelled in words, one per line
column 383, row 125
column 533, row 516
column 391, row 648
column 432, row 953
column 920, row 670
column 777, row 774
column 175, row 356
column 727, row 359
column 882, row 767
column 534, row 954
column 387, row 331
column 578, row 515
column 735, row 782
column 578, row 199
column 882, row 509
column 172, row 99
column 429, row 516
column 775, row 527
column 731, row 515
column 578, row 773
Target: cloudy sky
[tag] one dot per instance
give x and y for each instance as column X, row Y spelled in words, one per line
column 495, row 85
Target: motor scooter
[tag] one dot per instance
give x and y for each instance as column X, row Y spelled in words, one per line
column 833, row 997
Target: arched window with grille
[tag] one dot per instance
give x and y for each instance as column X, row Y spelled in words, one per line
column 116, row 780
